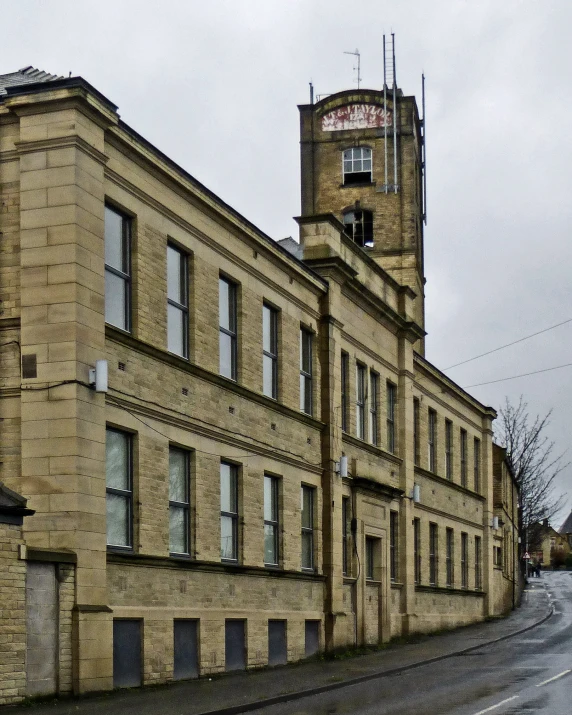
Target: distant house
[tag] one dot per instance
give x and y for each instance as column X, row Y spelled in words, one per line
column 549, row 547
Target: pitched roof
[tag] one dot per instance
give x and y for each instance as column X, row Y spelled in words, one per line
column 566, row 527
column 26, row 75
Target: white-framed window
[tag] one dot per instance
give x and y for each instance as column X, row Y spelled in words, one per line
column 117, row 269
column 464, row 560
column 373, row 412
column 449, row 449
column 432, row 439
column 227, row 328
column 394, row 545
column 433, row 553
column 391, row 402
column 179, row 507
column 478, row 563
column 345, row 379
column 463, row 435
column 270, row 351
column 477, row 464
column 228, row 512
column 271, row 521
column 359, row 227
column 450, row 554
column 307, row 507
column 177, row 302
column 357, row 165
column 119, row 488
column 306, row 340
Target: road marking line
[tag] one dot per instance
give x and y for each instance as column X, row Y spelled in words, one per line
column 494, row 707
column 565, row 672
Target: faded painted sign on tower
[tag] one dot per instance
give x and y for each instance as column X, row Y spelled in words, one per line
column 356, row 116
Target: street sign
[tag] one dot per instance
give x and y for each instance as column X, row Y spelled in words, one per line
column 526, row 556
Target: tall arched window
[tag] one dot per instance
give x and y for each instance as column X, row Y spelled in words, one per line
column 357, row 165
column 359, row 227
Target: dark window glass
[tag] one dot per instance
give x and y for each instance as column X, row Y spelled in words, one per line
column 477, row 465
column 177, row 302
column 271, row 524
column 305, row 371
column 178, row 501
column 478, row 563
column 228, row 512
column 464, row 560
column 345, row 388
column 270, row 351
column 391, row 400
column 417, row 549
column 360, row 401
column 449, row 449
column 227, row 328
column 345, row 535
column 373, row 397
column 117, row 269
column 393, row 545
column 450, row 557
column 359, row 227
column 307, row 497
column 433, row 554
column 357, row 165
column 119, row 488
column 463, row 458
column 416, row 434
column 432, row 440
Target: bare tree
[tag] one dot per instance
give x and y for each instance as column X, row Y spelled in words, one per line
column 530, row 454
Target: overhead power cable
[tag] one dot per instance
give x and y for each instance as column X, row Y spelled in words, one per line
column 514, row 342
column 514, row 377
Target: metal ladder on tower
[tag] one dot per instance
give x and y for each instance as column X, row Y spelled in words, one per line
column 390, row 86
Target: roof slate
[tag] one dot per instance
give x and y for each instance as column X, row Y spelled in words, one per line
column 566, row 527
column 26, row 75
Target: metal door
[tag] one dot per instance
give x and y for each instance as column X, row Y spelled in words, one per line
column 277, row 653
column 186, row 652
column 126, row 653
column 41, row 629
column 312, row 638
column 235, row 645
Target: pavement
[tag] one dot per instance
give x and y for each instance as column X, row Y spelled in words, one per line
column 249, row 691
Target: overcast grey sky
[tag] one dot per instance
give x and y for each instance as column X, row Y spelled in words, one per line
column 215, row 86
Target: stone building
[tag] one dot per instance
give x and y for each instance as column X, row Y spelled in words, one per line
column 273, row 468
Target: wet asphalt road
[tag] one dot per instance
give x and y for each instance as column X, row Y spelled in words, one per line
column 530, row 673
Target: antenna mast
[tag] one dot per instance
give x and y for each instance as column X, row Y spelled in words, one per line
column 358, row 68
column 390, row 81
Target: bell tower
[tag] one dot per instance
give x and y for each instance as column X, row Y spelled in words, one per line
column 362, row 159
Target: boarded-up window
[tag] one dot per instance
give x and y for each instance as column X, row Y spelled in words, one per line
column 277, row 652
column 126, row 653
column 186, row 651
column 235, row 645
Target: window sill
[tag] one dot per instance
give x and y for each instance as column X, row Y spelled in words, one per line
column 359, row 184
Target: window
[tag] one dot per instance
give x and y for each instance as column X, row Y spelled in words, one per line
column 119, row 488
column 417, row 550
column 477, row 464
column 177, row 302
column 449, row 449
column 271, row 526
column 432, row 438
column 270, row 351
column 117, row 269
column 360, row 400
column 478, row 564
column 371, row 548
column 306, row 371
column 391, row 399
column 464, row 560
column 373, row 392
column 357, row 165
column 178, row 501
column 307, row 495
column 227, row 328
column 359, row 227
column 345, row 387
column 393, row 544
column 416, row 435
column 450, row 557
column 345, row 535
column 228, row 512
column 463, row 458
column 433, row 554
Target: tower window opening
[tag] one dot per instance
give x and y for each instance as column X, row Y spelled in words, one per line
column 359, row 227
column 357, row 165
